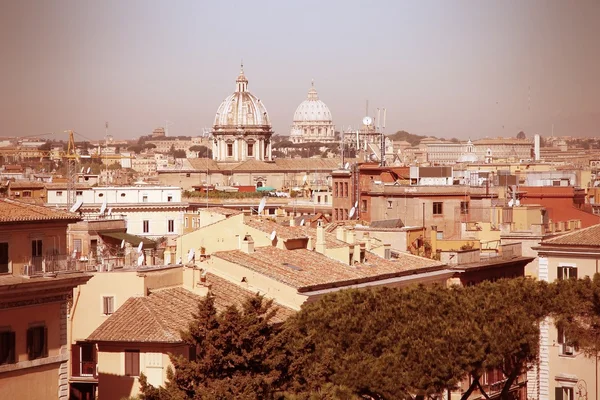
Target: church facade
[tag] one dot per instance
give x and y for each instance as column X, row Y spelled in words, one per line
column 312, row 121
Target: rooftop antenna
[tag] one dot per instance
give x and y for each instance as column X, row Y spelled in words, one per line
column 382, row 161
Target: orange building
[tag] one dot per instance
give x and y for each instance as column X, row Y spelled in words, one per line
column 36, row 285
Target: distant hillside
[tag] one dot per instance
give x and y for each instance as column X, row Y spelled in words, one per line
column 410, row 137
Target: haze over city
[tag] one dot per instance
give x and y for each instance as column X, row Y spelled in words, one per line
column 448, row 69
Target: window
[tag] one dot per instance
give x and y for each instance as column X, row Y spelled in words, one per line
column 229, row 150
column 26, row 193
column 567, row 347
column 437, row 208
column 171, row 225
column 123, row 194
column 564, row 393
column 36, row 248
column 363, row 206
column 335, row 190
column 59, row 193
column 464, row 207
column 169, row 198
column 132, row 362
column 100, row 194
column 144, row 199
column 37, row 342
column 185, row 222
column 78, row 193
column 389, row 204
column 77, row 245
column 7, row 347
column 566, row 272
column 108, row 305
column 187, row 175
column 4, row 259
column 250, row 150
column 146, row 226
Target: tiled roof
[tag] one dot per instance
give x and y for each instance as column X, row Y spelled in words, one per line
column 309, row 164
column 17, row 211
column 160, row 316
column 228, row 212
column 584, row 237
column 228, row 293
column 63, row 185
column 387, row 223
column 308, row 270
column 26, row 185
column 255, row 165
column 203, row 163
column 283, row 232
column 157, row 317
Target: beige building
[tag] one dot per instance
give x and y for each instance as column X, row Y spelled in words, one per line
column 36, row 281
column 563, row 371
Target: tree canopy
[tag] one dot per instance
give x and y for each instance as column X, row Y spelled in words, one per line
column 381, row 343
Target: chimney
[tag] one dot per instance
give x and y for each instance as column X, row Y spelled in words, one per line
column 248, row 244
column 320, row 245
column 340, row 233
column 293, row 221
column 350, row 236
column 433, row 239
column 368, row 242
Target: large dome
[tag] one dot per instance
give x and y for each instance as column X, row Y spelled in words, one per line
column 242, row 108
column 312, row 109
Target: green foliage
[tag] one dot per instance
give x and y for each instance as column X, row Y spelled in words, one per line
column 521, row 135
column 232, row 355
column 179, row 153
column 202, row 151
column 408, row 137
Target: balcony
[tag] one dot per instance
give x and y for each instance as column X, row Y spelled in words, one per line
column 50, row 264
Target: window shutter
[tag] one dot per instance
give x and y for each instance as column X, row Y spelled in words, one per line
column 136, row 363
column 559, row 273
column 11, row 348
column 75, row 364
column 561, row 335
column 574, row 273
column 30, row 343
column 128, row 363
column 558, row 393
column 45, row 342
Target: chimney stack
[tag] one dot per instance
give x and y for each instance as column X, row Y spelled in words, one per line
column 320, row 245
column 248, row 244
column 433, row 239
column 293, row 221
column 340, row 233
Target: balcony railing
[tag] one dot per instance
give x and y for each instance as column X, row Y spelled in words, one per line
column 49, row 264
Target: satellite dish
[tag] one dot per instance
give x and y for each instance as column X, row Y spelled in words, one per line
column 518, row 203
column 89, row 169
column 179, row 261
column 140, row 260
column 76, row 206
column 262, row 204
column 122, row 243
column 351, row 213
column 511, row 202
column 347, row 165
column 302, row 222
column 273, row 235
column 74, row 253
column 103, row 208
column 304, row 178
column 190, row 255
column 50, row 180
column 355, row 204
column 367, row 121
column 110, row 211
column 82, row 169
column 139, row 248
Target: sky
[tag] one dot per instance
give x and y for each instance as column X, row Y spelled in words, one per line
column 464, row 69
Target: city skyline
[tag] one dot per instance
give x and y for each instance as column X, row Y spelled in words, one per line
column 459, row 69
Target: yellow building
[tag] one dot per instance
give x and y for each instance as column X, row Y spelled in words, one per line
column 36, row 282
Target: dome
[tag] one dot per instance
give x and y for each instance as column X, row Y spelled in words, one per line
column 312, row 109
column 242, row 108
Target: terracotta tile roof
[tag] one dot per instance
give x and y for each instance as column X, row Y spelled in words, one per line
column 283, row 232
column 308, row 270
column 331, row 240
column 228, row 212
column 203, row 163
column 17, row 211
column 160, row 316
column 157, row 317
column 26, row 185
column 583, row 237
column 228, row 293
column 63, row 185
column 255, row 165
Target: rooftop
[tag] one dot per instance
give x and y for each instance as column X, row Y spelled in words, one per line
column 17, row 211
column 309, row 270
column 583, row 237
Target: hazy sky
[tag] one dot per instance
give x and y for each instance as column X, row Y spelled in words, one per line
column 447, row 68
